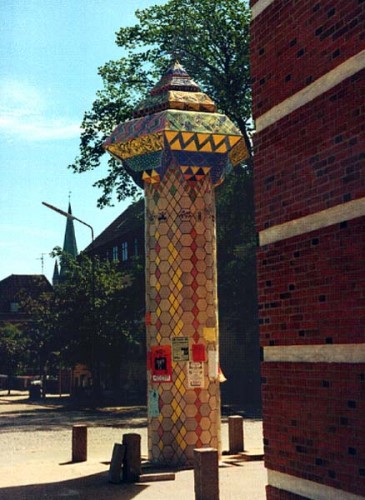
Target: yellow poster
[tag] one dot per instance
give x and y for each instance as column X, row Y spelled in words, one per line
column 210, row 334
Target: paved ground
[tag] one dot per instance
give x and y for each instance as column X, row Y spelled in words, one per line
column 35, row 454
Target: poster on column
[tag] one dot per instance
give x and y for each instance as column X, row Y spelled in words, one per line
column 180, row 349
column 198, row 352
column 213, row 364
column 161, row 367
column 195, row 375
column 153, row 403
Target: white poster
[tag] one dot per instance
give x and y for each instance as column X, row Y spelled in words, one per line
column 213, row 364
column 195, row 374
column 180, row 349
column 153, row 403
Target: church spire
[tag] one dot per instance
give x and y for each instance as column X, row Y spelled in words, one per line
column 56, row 274
column 69, row 243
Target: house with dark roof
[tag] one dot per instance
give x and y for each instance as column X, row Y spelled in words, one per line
column 11, row 312
column 123, row 239
column 11, row 288
column 122, row 242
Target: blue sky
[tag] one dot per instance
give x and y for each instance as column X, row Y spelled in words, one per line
column 49, row 54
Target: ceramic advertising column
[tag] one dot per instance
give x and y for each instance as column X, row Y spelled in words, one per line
column 178, row 148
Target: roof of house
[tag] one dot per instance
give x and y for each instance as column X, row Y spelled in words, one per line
column 33, row 284
column 132, row 219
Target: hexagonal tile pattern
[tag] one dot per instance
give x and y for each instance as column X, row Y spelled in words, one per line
column 181, row 297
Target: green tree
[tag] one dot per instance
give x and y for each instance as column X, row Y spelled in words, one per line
column 99, row 312
column 210, row 38
column 12, row 345
column 92, row 317
column 236, row 246
column 40, row 333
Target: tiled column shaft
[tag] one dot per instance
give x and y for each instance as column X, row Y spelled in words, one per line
column 179, row 148
column 181, row 301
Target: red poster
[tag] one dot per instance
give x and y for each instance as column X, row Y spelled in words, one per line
column 198, row 352
column 161, row 367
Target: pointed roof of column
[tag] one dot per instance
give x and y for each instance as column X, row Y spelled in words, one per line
column 175, row 78
column 177, row 122
column 69, row 243
column 175, row 90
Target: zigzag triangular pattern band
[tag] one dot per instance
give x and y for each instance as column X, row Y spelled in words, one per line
column 178, row 141
column 192, row 141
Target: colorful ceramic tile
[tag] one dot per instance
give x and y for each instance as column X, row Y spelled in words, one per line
column 178, row 148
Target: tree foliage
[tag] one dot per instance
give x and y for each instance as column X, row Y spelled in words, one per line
column 211, row 40
column 92, row 317
column 41, row 333
column 11, row 350
column 95, row 308
column 236, row 248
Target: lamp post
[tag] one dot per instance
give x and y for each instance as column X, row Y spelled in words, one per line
column 96, row 382
column 71, row 217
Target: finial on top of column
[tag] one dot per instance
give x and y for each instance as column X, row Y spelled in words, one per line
column 175, row 90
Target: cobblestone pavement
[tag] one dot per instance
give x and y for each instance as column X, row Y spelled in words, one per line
column 35, row 455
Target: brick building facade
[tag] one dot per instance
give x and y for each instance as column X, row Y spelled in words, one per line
column 308, row 71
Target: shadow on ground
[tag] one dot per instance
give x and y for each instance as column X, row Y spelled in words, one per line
column 55, row 413
column 94, row 486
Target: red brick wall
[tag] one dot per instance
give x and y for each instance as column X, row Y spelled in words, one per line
column 314, row 422
column 320, row 153
column 294, row 43
column 311, row 286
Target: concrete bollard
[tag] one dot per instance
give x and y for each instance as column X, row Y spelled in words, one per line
column 132, row 459
column 115, row 469
column 206, row 482
column 79, row 443
column 235, row 434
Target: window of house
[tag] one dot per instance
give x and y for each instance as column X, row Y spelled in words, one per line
column 14, row 307
column 124, row 251
column 115, row 254
column 136, row 247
